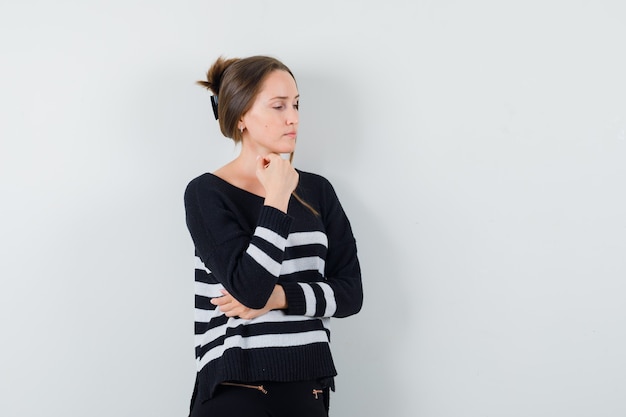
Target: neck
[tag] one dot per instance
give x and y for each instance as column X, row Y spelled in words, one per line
column 247, row 160
column 241, row 171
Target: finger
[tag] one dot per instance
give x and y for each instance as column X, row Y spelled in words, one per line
column 228, row 309
column 234, row 312
column 220, row 301
column 262, row 162
column 271, row 159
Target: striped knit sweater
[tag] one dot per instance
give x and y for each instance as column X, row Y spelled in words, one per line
column 247, row 248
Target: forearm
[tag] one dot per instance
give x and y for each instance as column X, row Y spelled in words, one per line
column 337, row 294
column 232, row 307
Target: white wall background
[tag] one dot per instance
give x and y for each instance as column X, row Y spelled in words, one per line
column 478, row 148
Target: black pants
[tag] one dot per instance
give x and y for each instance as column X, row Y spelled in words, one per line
column 266, row 399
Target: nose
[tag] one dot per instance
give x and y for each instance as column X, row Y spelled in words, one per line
column 292, row 117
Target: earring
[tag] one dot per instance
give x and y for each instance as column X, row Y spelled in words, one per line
column 241, row 130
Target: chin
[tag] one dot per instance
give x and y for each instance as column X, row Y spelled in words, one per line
column 286, row 149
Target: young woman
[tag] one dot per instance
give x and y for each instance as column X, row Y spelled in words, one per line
column 275, row 257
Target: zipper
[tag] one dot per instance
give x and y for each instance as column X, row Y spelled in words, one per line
column 256, row 387
column 316, row 392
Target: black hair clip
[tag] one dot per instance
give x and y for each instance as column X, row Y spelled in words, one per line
column 214, row 104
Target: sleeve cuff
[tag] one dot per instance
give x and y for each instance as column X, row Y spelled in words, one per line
column 296, row 303
column 276, row 220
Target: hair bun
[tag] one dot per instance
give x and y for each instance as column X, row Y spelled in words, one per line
column 215, row 74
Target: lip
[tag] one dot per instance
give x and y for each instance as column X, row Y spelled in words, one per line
column 291, row 134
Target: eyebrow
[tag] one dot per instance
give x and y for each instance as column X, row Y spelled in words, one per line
column 284, row 97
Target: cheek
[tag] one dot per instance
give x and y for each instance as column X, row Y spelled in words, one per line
column 262, row 123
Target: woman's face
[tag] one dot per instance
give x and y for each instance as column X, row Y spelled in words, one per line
column 271, row 124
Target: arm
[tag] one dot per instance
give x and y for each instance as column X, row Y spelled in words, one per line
column 233, row 308
column 341, row 292
column 247, row 266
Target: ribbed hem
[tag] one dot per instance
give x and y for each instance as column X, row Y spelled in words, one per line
column 299, row 363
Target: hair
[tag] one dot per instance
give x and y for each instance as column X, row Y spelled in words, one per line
column 236, row 83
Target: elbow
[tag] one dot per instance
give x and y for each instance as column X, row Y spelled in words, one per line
column 255, row 300
column 355, row 306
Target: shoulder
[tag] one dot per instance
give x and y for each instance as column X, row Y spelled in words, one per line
column 317, row 190
column 206, row 178
column 209, row 192
column 205, row 181
column 207, row 189
column 313, row 181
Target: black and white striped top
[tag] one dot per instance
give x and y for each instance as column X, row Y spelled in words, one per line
column 247, row 248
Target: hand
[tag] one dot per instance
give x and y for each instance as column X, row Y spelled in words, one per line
column 278, row 178
column 231, row 307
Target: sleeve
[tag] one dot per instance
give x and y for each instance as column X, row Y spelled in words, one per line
column 341, row 292
column 247, row 266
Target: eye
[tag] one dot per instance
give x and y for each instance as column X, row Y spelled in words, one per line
column 296, row 106
column 278, row 107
